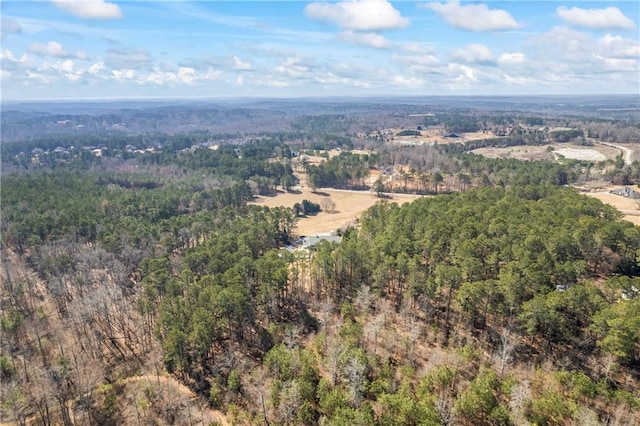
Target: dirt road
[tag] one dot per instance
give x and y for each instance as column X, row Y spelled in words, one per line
column 628, row 152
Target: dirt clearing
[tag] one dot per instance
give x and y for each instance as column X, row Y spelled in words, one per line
column 523, row 152
column 550, row 152
column 627, row 206
column 581, row 154
column 437, row 135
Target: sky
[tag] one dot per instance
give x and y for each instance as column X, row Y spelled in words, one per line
column 94, row 49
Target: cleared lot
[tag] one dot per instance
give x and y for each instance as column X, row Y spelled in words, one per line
column 528, row 152
column 627, row 206
column 349, row 206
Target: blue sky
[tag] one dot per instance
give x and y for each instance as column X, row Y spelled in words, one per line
column 68, row 49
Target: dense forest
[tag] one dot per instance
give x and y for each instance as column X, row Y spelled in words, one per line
column 145, row 287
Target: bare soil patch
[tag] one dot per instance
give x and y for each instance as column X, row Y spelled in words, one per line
column 436, row 135
column 349, row 206
column 581, row 154
column 571, row 151
column 627, row 206
column 522, row 152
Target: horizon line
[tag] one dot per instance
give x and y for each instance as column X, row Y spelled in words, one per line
column 302, row 97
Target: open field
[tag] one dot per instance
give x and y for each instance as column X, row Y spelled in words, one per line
column 521, row 152
column 581, row 154
column 430, row 136
column 571, row 151
column 349, row 206
column 627, row 206
column 317, row 159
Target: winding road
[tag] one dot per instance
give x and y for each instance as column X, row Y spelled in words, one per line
column 628, row 153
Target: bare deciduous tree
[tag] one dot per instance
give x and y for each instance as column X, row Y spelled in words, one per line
column 290, row 402
column 328, row 205
column 505, row 350
column 355, row 377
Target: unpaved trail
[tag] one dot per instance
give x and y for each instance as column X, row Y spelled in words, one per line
column 628, row 152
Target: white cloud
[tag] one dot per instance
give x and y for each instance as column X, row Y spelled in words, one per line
column 293, row 67
column 166, row 76
column 514, row 58
column 419, row 65
column 582, row 53
column 350, row 71
column 620, row 47
column 61, row 66
column 410, row 82
column 579, row 58
column 52, row 48
column 474, row 17
column 358, row 15
column 96, row 68
column 330, row 78
column 13, row 66
column 596, row 19
column 518, row 80
column 463, row 76
column 333, row 79
column 55, row 49
column 90, row 8
column 7, row 54
column 122, row 75
column 211, row 74
column 473, row 54
column 367, row 39
column 39, row 76
column 561, row 44
column 64, row 68
column 239, row 64
column 617, row 64
column 186, row 75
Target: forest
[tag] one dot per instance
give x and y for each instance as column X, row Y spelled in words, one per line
column 147, row 287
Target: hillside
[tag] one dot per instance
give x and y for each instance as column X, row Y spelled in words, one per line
column 166, row 286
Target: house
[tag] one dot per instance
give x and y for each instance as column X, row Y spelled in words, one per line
column 626, row 192
column 313, row 240
column 308, row 242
